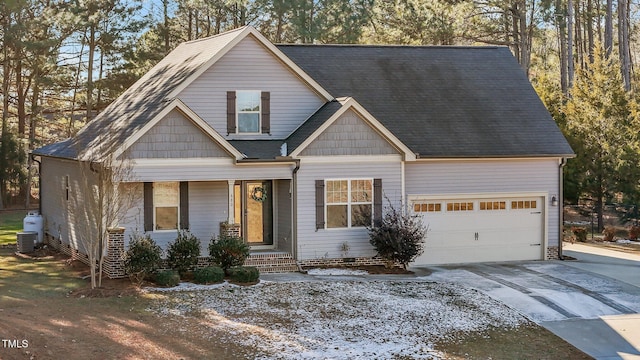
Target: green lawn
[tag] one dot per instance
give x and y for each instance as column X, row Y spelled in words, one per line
column 10, row 224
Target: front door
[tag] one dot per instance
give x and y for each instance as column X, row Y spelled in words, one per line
column 257, row 212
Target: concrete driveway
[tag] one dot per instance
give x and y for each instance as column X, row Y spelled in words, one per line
column 593, row 302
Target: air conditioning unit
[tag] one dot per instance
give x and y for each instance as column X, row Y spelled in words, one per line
column 26, row 241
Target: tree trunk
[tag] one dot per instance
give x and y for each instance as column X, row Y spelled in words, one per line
column 6, row 74
column 570, row 60
column 608, row 28
column 165, row 30
column 623, row 43
column 589, row 29
column 562, row 31
column 92, row 51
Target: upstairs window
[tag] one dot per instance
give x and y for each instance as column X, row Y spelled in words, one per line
column 248, row 110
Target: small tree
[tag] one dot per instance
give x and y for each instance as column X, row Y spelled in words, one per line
column 398, row 237
column 182, row 254
column 228, row 251
column 143, row 258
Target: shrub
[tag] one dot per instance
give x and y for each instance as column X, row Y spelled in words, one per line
column 182, row 254
column 609, row 233
column 208, row 275
column 398, row 238
column 228, row 251
column 634, row 232
column 168, row 278
column 244, row 274
column 580, row 234
column 143, row 258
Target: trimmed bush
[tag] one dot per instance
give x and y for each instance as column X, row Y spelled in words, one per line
column 143, row 258
column 208, row 275
column 182, row 254
column 244, row 274
column 634, row 232
column 580, row 234
column 398, row 238
column 228, row 251
column 609, row 233
column 167, row 278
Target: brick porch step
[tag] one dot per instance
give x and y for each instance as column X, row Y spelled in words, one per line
column 272, row 262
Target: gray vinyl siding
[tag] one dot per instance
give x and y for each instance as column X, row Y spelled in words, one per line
column 200, row 172
column 175, row 136
column 349, row 135
column 207, row 209
column 283, row 214
column 323, row 243
column 249, row 66
column 65, row 219
column 473, row 177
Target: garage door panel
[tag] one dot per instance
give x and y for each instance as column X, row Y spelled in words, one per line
column 494, row 230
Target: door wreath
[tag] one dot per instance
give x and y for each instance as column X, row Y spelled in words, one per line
column 259, row 194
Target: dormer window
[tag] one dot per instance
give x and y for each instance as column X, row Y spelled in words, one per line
column 248, row 112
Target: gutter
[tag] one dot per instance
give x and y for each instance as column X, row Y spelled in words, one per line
column 294, row 214
column 563, row 162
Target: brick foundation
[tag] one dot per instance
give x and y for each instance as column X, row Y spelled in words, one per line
column 346, row 262
column 230, row 229
column 552, row 253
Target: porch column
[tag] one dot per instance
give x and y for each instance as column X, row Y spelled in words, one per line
column 231, row 212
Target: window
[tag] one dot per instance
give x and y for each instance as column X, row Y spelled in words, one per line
column 524, row 204
column 427, row 207
column 248, row 111
column 459, row 206
column 166, row 200
column 493, row 205
column 66, row 186
column 349, row 203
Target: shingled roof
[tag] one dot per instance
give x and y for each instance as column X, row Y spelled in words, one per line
column 441, row 102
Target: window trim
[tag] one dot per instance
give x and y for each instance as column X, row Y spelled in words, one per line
column 349, row 203
column 259, row 112
column 155, row 206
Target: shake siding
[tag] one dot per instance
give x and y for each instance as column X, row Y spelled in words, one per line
column 283, row 214
column 469, row 177
column 175, row 136
column 314, row 244
column 199, row 172
column 349, row 135
column 249, row 66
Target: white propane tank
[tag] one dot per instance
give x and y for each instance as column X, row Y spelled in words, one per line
column 33, row 222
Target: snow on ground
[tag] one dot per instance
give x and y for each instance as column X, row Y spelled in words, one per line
column 336, row 272
column 341, row 319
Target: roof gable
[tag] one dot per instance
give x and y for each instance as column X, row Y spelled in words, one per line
column 167, row 130
column 315, row 130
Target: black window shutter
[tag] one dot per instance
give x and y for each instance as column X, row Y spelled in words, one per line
column 148, row 206
column 266, row 112
column 319, row 204
column 231, row 112
column 184, row 205
column 377, row 201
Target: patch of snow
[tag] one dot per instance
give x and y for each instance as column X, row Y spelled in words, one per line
column 342, row 319
column 337, row 272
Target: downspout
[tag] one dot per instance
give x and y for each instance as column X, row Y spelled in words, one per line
column 294, row 213
column 563, row 162
column 33, row 158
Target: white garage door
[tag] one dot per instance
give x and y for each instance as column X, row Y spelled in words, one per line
column 481, row 229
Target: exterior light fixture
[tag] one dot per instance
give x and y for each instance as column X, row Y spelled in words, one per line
column 554, row 201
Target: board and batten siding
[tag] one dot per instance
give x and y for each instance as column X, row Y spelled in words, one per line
column 249, row 66
column 207, row 209
column 175, row 136
column 205, row 170
column 349, row 135
column 480, row 176
column 326, row 243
